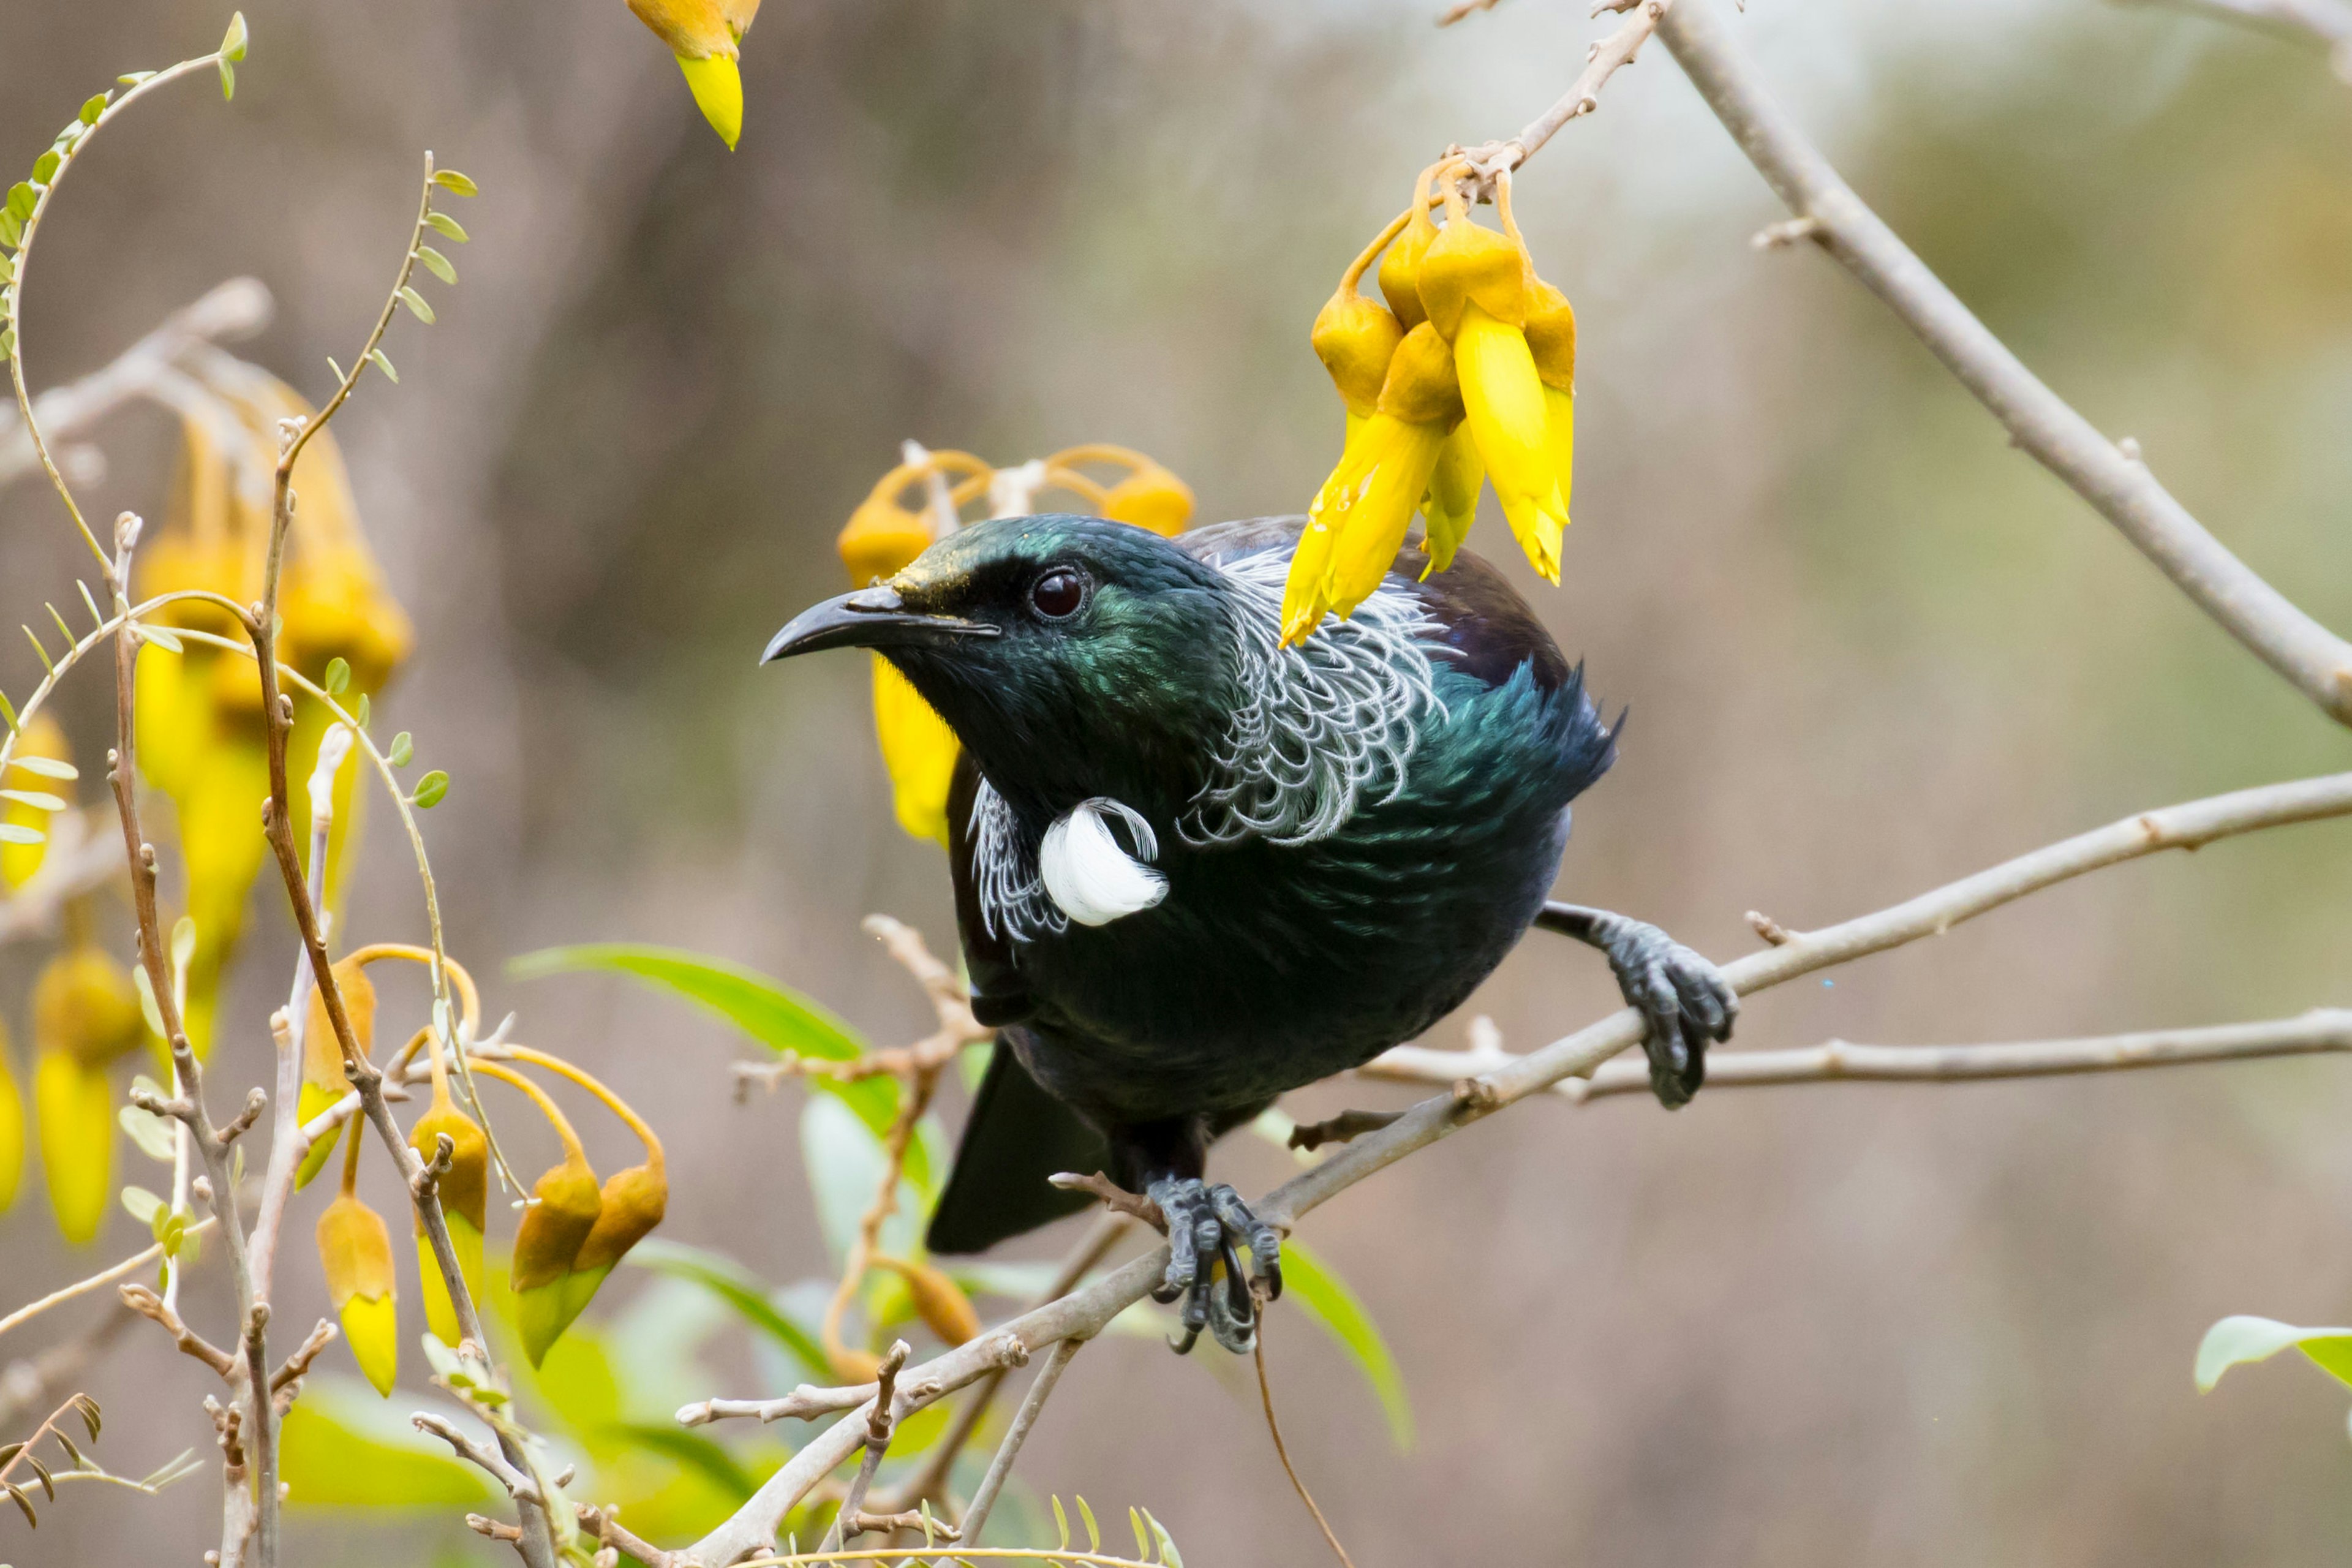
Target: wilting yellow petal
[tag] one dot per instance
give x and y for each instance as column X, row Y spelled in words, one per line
column 12, row 1128
column 75, row 1109
column 1503, row 401
column 718, row 89
column 1451, row 504
column 919, row 749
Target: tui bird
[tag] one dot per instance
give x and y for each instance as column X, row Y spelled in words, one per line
column 1194, row 868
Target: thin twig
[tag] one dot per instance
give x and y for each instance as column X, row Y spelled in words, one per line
column 1041, row 1388
column 131, row 1265
column 1281, row 1451
column 2123, row 489
column 2322, row 1031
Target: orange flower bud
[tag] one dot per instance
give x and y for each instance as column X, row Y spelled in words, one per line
column 566, row 1204
column 938, row 1301
column 84, row 1005
column 323, row 1080
column 465, row 1202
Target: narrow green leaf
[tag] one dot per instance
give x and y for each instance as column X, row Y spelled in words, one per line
column 1094, row 1536
column 338, row 676
column 67, row 630
column 361, row 713
column 12, row 833
column 184, row 941
column 228, row 79
column 72, row 1452
column 132, row 78
column 142, row 1204
column 446, row 227
column 383, row 363
column 1326, row 1298
column 416, row 305
column 739, row 1289
column 340, row 377
column 47, row 768
column 403, row 748
column 233, row 42
column 146, row 989
column 38, row 649
column 8, row 711
column 8, row 270
column 431, row 790
column 436, row 264
column 2238, row 1341
column 1062, row 1526
column 94, row 106
column 90, row 602
column 692, row 1451
column 44, row 167
column 1169, row 1555
column 41, row 1473
column 455, row 182
column 38, row 799
column 1142, row 1544
column 148, row 1130
column 161, row 636
column 16, row 1495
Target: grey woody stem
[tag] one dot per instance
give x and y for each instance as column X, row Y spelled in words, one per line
column 2104, row 473
column 1041, row 1388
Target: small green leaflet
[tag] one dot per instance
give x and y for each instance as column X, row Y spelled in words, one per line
column 376, row 357
column 142, row 1204
column 228, row 79
column 436, row 264
column 446, row 227
column 47, row 768
column 431, row 790
column 39, row 800
column 233, row 42
column 338, row 676
column 340, row 377
column 44, row 167
column 12, row 833
column 2238, row 1341
column 94, row 107
column 403, row 748
column 416, row 305
column 455, row 182
column 1327, row 1298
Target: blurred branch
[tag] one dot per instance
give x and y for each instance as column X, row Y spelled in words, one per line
column 2321, row 1031
column 2326, row 24
column 2108, row 474
column 1084, row 1313
column 1041, row 1388
column 1603, row 59
column 131, row 1265
column 236, row 309
column 25, row 1383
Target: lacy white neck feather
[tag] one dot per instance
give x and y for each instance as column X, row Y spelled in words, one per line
column 1317, row 728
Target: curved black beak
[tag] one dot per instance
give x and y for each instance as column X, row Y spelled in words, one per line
column 871, row 618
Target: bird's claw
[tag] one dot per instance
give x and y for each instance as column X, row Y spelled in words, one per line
column 1685, row 998
column 1207, row 1227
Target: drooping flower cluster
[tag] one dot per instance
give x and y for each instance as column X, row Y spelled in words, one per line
column 1467, row 376
column 885, row 533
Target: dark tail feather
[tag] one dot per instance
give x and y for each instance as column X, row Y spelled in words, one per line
column 1017, row 1136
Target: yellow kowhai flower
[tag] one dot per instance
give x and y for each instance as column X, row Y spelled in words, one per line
column 1148, row 495
column 465, row 1202
column 630, row 1202
column 323, row 1079
column 355, row 1253
column 199, row 712
column 565, row 1204
column 703, row 36
column 86, row 1017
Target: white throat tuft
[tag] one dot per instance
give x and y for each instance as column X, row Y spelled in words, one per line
column 1088, row 876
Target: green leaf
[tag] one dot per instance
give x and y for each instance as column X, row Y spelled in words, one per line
column 11, row 832
column 8, row 270
column 844, row 1156
column 162, row 637
column 455, row 182
column 93, row 107
column 436, row 264
column 36, row 799
column 446, row 227
column 343, row 1446
column 12, row 230
column 338, row 676
column 21, row 200
column 403, row 748
column 431, row 789
column 228, row 79
column 142, row 1204
column 779, row 1018
column 1326, row 1298
column 692, row 1451
column 1169, row 1555
column 416, row 305
column 132, row 78
column 8, row 712
column 361, row 712
column 233, row 42
column 739, row 1289
column 382, row 362
column 2237, row 1341
column 46, row 767
column 340, row 377
column 44, row 167
column 149, row 1131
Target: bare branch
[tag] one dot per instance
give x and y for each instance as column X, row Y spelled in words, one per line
column 1041, row 1388
column 1116, row 1198
column 802, row 1404
column 131, row 1265
column 1349, row 1125
column 2319, row 1032
column 518, row 1485
column 2317, row 661
column 148, row 1304
column 298, row 1363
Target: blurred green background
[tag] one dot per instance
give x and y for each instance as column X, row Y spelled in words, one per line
column 1867, row 646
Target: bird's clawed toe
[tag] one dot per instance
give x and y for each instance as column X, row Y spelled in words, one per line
column 1207, row 1227
column 1685, row 999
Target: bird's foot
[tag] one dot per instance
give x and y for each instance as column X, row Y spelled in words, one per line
column 1207, row 1227
column 1685, row 997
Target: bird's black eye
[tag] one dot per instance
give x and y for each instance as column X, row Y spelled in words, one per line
column 1058, row 595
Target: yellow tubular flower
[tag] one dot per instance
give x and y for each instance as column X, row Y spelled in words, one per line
column 1451, row 504
column 633, row 1201
column 1354, row 338
column 565, row 1204
column 465, row 1204
column 12, row 1127
column 945, row 1310
column 74, row 1107
column 1504, row 399
column 355, row 1253
column 32, row 798
column 1400, row 267
column 704, row 34
column 1551, row 339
